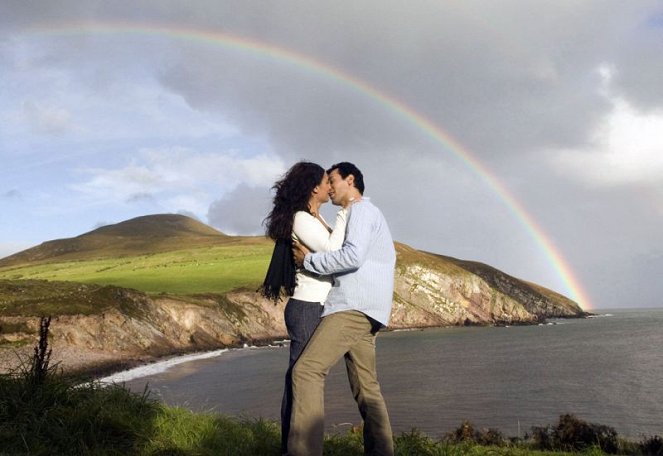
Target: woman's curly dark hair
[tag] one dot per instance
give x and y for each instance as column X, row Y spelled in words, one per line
column 292, row 193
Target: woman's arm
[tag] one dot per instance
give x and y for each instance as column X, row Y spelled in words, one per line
column 314, row 235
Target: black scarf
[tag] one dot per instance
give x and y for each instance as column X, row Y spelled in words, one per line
column 281, row 272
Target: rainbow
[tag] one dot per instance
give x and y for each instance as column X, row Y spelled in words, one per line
column 362, row 88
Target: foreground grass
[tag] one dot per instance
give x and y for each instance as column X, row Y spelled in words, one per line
column 56, row 416
column 214, row 269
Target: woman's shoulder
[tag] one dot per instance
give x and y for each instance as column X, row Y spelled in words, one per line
column 303, row 215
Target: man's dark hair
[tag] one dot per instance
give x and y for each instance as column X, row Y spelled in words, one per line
column 347, row 168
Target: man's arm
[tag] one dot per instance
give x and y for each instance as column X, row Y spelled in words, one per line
column 361, row 220
column 312, row 233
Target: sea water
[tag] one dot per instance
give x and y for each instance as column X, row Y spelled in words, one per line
column 607, row 370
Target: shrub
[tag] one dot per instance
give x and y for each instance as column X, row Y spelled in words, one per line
column 652, row 446
column 466, row 433
column 573, row 434
column 491, row 437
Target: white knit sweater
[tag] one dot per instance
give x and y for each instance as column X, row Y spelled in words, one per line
column 314, row 235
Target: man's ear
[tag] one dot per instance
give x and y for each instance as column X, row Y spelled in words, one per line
column 351, row 180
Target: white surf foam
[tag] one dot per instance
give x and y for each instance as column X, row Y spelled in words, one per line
column 162, row 366
column 158, row 367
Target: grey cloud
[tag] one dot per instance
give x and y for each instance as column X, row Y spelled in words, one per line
column 531, row 80
column 17, row 14
column 241, row 211
column 140, row 197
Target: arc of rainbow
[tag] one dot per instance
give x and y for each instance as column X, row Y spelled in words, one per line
column 363, row 88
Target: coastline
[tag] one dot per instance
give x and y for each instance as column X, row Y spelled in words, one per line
column 123, row 372
column 163, row 364
column 98, row 365
column 109, row 367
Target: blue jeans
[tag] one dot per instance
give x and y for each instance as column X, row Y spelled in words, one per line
column 301, row 319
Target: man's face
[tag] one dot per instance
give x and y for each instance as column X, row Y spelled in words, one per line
column 339, row 188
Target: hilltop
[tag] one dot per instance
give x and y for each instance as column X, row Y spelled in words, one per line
column 166, row 283
column 140, row 235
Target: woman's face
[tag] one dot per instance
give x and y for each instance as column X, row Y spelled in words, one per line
column 321, row 191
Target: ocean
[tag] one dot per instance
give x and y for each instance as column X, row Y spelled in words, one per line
column 607, row 369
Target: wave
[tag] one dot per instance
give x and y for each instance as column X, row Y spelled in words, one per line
column 600, row 315
column 162, row 366
column 158, row 367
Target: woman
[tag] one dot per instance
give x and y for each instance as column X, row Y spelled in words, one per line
column 295, row 215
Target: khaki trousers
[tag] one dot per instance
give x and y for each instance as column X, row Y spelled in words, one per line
column 349, row 334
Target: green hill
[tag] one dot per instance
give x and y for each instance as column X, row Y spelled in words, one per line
column 141, row 235
column 158, row 253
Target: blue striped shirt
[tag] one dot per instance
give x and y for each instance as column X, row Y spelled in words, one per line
column 363, row 268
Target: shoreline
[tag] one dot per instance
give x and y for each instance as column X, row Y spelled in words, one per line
column 111, row 374
column 163, row 364
column 109, row 367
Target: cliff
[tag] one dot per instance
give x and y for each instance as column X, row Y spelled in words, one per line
column 97, row 325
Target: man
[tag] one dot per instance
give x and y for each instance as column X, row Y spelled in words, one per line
column 357, row 306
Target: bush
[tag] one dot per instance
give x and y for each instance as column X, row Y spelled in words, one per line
column 491, row 437
column 574, row 434
column 652, row 446
column 466, row 433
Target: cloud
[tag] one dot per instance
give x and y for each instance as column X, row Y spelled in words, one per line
column 141, row 196
column 177, row 178
column 520, row 71
column 624, row 148
column 12, row 194
column 241, row 211
column 47, row 120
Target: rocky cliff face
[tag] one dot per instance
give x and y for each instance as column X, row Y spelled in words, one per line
column 155, row 327
column 429, row 291
column 433, row 290
column 96, row 324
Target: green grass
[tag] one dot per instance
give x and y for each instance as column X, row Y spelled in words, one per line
column 214, row 269
column 41, row 297
column 217, row 269
column 42, row 412
column 58, row 417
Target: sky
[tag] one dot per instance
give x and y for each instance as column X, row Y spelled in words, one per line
column 521, row 134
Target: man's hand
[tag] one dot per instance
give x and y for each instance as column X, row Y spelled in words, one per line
column 299, row 251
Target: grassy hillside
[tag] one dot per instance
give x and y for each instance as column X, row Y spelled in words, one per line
column 141, row 235
column 215, row 269
column 155, row 254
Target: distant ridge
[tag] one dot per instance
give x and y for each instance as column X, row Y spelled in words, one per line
column 145, row 234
